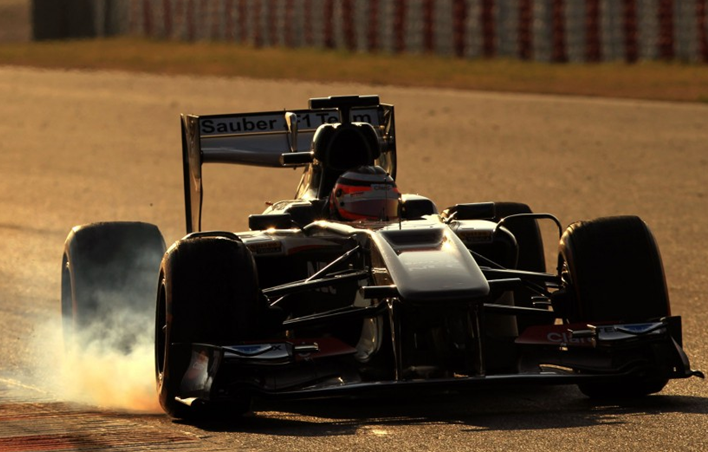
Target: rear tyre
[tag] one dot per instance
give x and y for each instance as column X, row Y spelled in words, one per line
column 208, row 293
column 612, row 272
column 531, row 256
column 527, row 235
column 109, row 280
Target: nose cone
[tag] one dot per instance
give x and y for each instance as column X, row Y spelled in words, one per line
column 429, row 263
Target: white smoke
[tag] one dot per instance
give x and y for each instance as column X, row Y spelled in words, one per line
column 96, row 371
column 108, row 364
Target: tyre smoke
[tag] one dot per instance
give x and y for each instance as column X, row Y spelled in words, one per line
column 100, row 365
column 105, row 368
column 99, row 350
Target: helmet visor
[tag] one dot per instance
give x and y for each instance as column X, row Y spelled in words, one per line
column 369, row 205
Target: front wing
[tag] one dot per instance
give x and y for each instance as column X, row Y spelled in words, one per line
column 326, row 367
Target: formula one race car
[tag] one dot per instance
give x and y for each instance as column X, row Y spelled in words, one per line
column 354, row 287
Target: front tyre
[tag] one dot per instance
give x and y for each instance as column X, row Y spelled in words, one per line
column 612, row 272
column 208, row 293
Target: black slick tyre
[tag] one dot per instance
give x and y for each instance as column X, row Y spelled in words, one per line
column 527, row 234
column 531, row 255
column 612, row 272
column 109, row 281
column 208, row 293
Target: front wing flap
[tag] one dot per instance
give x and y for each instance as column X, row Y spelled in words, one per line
column 325, row 366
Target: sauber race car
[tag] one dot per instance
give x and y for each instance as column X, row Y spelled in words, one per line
column 353, row 287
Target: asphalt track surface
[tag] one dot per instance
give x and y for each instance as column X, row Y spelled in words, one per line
column 78, row 147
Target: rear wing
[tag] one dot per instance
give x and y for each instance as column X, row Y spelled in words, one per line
column 270, row 139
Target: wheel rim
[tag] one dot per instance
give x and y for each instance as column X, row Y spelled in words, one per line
column 160, row 331
column 67, row 303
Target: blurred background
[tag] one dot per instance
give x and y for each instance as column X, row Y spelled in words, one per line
column 15, row 21
column 539, row 30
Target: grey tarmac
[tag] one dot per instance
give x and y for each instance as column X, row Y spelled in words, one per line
column 79, row 147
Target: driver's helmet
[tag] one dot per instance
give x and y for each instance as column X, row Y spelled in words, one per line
column 365, row 193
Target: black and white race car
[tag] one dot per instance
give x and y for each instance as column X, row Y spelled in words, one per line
column 353, row 287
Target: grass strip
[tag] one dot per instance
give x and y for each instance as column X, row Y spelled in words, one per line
column 646, row 80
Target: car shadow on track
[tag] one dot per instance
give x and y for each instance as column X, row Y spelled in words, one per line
column 498, row 409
